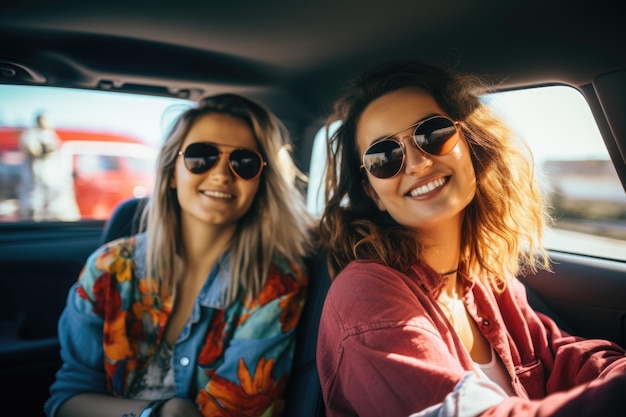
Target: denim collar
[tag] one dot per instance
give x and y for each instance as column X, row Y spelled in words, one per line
column 217, row 282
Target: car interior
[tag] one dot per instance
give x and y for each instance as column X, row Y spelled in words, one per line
column 294, row 58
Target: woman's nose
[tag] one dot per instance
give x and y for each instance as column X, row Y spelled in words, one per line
column 222, row 167
column 415, row 158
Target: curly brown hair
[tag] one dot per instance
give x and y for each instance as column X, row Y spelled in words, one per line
column 503, row 226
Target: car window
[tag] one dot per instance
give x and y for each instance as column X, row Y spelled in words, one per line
column 581, row 185
column 99, row 148
column 315, row 189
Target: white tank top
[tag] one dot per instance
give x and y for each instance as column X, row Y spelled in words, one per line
column 496, row 372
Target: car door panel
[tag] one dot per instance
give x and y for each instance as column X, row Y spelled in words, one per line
column 38, row 264
column 585, row 295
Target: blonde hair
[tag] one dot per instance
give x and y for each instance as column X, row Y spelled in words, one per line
column 503, row 226
column 276, row 223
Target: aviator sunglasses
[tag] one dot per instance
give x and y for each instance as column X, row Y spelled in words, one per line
column 245, row 163
column 435, row 136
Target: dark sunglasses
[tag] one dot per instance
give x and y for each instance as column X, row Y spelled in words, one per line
column 245, row 163
column 435, row 136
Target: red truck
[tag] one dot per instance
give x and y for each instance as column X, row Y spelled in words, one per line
column 106, row 168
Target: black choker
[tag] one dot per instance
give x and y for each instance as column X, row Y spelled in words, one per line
column 454, row 271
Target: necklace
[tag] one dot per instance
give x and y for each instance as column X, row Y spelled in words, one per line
column 454, row 271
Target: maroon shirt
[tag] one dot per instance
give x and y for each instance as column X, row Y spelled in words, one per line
column 385, row 348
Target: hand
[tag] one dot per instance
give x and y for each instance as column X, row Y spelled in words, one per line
column 178, row 407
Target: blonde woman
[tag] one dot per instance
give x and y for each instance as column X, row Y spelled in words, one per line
column 196, row 315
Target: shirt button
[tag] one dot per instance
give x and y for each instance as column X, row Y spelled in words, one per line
column 184, row 361
column 485, row 322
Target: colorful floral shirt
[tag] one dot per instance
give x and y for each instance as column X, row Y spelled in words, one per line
column 232, row 360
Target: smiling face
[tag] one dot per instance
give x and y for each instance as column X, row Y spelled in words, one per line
column 429, row 191
column 215, row 198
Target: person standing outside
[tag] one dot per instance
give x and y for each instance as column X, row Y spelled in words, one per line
column 38, row 187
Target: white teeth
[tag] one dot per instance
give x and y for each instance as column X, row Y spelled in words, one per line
column 426, row 188
column 217, row 194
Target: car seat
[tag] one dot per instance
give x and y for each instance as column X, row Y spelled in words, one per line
column 304, row 394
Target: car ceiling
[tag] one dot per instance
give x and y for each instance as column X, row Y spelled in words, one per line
column 299, row 53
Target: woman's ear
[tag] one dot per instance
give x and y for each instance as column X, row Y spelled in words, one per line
column 369, row 191
column 173, row 181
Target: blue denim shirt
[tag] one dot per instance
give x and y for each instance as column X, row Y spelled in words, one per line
column 254, row 334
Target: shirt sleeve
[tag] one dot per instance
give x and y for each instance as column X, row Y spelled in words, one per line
column 569, row 360
column 80, row 337
column 252, row 377
column 380, row 351
column 471, row 397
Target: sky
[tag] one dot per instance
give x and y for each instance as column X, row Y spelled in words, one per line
column 555, row 121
